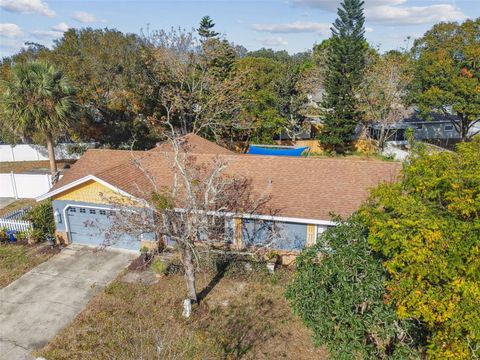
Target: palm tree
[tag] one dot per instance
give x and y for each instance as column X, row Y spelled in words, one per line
column 37, row 99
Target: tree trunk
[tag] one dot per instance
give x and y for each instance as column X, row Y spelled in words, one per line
column 51, row 154
column 189, row 274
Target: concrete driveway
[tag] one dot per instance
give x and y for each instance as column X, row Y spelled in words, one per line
column 34, row 308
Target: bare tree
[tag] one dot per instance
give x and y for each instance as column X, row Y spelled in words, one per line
column 194, row 84
column 196, row 210
column 383, row 94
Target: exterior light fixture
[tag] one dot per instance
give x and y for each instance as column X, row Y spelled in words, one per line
column 58, row 216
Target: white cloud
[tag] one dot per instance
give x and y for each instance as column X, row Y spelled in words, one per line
column 10, row 30
column 295, row 27
column 273, row 41
column 414, row 15
column 55, row 31
column 368, row 29
column 333, row 5
column 395, row 12
column 61, row 27
column 84, row 17
column 27, row 6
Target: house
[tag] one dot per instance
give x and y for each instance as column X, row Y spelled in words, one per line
column 306, row 191
column 438, row 128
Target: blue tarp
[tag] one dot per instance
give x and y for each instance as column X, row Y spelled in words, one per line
column 260, row 150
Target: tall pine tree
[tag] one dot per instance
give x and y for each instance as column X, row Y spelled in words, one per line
column 345, row 64
column 206, row 28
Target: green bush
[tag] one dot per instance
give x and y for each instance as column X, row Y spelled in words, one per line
column 427, row 228
column 42, row 219
column 338, row 291
column 158, row 266
column 3, row 234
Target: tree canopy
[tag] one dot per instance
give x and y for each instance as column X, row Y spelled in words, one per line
column 447, row 74
column 344, row 70
column 37, row 100
column 427, row 226
column 338, row 291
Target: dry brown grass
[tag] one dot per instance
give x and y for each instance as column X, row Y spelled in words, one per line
column 240, row 318
column 17, row 259
column 22, row 166
column 18, row 204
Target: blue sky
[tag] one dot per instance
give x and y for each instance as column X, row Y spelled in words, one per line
column 293, row 25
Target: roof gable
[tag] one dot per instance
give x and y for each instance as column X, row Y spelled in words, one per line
column 194, row 144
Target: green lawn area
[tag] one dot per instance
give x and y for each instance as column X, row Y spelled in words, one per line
column 17, row 259
column 243, row 316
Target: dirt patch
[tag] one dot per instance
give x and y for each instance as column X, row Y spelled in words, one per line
column 238, row 318
column 140, row 264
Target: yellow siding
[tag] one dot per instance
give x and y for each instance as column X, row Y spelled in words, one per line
column 91, row 192
column 310, row 235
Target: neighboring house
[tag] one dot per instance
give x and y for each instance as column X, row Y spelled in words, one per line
column 303, row 191
column 438, row 129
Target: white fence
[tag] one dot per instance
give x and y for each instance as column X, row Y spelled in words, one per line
column 17, row 214
column 24, row 186
column 32, row 152
column 17, row 225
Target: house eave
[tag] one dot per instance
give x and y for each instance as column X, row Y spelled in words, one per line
column 82, row 181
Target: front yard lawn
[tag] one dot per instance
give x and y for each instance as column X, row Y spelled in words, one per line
column 17, row 204
column 243, row 316
column 17, row 259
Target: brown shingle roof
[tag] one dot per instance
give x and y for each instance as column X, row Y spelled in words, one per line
column 194, row 144
column 305, row 188
column 94, row 161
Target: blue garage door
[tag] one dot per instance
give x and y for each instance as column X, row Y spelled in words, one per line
column 93, row 227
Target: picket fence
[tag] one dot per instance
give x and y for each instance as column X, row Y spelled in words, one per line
column 17, row 225
column 17, row 214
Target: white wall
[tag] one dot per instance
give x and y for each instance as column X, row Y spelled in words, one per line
column 24, row 186
column 32, row 152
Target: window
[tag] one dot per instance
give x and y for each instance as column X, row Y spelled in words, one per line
column 103, row 212
column 82, row 210
column 72, row 209
column 448, row 127
column 92, row 211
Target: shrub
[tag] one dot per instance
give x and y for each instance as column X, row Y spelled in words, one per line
column 427, row 227
column 42, row 219
column 3, row 234
column 158, row 266
column 338, row 291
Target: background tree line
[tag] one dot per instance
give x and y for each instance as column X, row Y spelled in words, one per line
column 126, row 85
